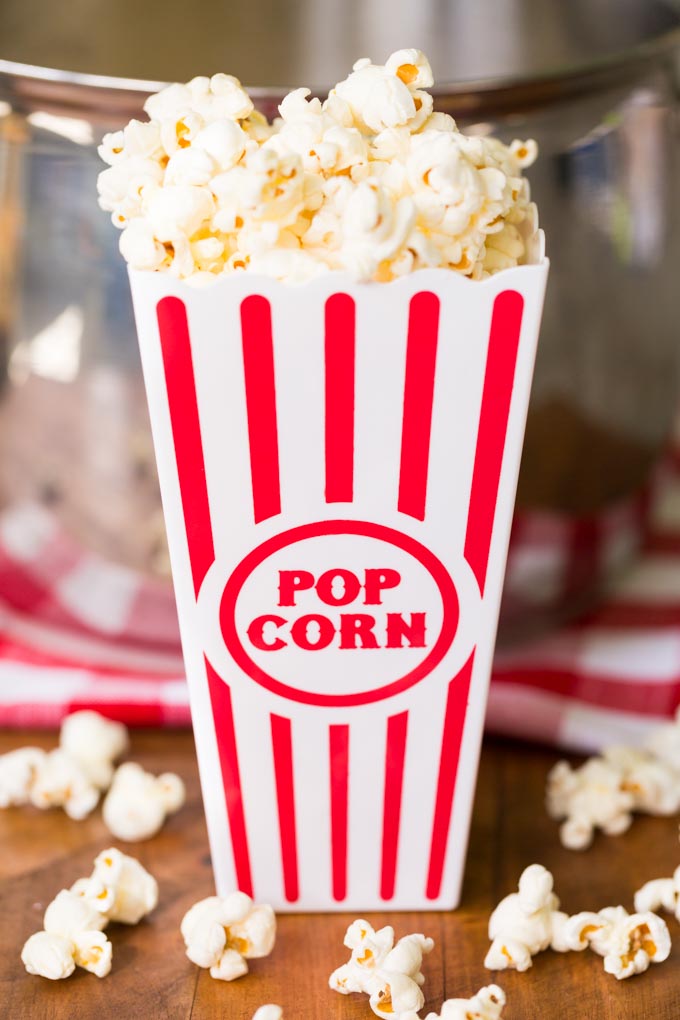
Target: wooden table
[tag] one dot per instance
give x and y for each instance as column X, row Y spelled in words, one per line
column 41, row 852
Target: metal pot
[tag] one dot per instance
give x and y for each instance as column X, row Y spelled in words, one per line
column 594, row 83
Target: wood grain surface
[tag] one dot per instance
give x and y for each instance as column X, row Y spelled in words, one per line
column 41, row 852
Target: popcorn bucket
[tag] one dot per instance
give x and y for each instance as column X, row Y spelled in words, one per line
column 338, row 464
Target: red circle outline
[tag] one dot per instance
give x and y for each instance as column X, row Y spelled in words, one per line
column 427, row 559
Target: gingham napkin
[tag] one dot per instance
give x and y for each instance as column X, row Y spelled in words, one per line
column 77, row 631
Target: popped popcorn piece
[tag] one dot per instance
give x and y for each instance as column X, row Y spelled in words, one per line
column 526, row 923
column 60, row 781
column 487, row 1004
column 17, row 773
column 660, row 893
column 269, row 1012
column 389, row 974
column 92, row 951
column 94, row 742
column 221, row 934
column 628, row 942
column 138, row 802
column 371, row 181
column 68, row 914
column 654, row 784
column 588, row 798
column 119, row 888
column 49, row 956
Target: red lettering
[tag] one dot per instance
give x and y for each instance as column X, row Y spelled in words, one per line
column 256, row 633
column 351, row 586
column 357, row 626
column 377, row 581
column 398, row 628
column 298, row 632
column 292, row 581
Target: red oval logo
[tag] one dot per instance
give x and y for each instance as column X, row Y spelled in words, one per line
column 339, row 613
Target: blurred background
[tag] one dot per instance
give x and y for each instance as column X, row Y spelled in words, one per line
column 84, row 577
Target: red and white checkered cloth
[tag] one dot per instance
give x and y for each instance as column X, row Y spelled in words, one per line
column 77, row 631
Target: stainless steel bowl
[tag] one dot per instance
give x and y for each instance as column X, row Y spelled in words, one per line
column 594, row 83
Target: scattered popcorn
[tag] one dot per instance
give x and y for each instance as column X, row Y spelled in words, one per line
column 69, row 913
column 370, row 181
column 628, row 942
column 389, row 974
column 588, row 798
column 138, row 802
column 604, row 792
column 526, row 922
column 18, row 770
column 72, row 775
column 222, row 934
column 269, row 1012
column 60, row 781
column 487, row 1004
column 660, row 893
column 119, row 888
column 94, row 742
column 48, row 956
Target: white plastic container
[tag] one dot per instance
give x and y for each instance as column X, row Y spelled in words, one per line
column 338, row 464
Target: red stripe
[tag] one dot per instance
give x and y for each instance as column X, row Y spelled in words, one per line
column 637, row 615
column 583, row 566
column 622, row 694
column 260, row 383
column 395, row 754
column 421, row 357
column 454, row 721
column 663, row 542
column 501, row 359
column 339, row 772
column 186, row 432
column 339, row 354
column 282, row 746
column 220, row 697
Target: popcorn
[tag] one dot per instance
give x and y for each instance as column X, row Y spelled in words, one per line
column 48, row 956
column 68, row 914
column 222, row 934
column 94, row 742
column 603, row 793
column 487, row 1004
column 18, row 770
column 590, row 797
column 628, row 942
column 371, row 182
column 138, row 802
column 526, row 922
column 92, row 951
column 269, row 1012
column 60, row 781
column 119, row 888
column 389, row 974
column 660, row 893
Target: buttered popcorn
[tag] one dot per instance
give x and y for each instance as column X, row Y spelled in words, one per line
column 371, row 181
column 138, row 802
column 487, row 1004
column 526, row 922
column 629, row 943
column 222, row 933
column 604, row 792
column 660, row 894
column 119, row 889
column 389, row 974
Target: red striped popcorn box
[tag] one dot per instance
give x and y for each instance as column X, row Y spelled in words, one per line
column 338, row 464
